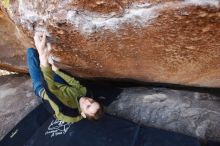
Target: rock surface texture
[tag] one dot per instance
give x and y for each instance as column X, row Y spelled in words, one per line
column 169, row 41
column 16, row 101
column 191, row 113
column 12, row 45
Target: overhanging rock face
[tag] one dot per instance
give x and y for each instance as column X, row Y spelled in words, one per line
column 154, row 41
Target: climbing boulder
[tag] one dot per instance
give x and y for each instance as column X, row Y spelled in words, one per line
column 152, row 41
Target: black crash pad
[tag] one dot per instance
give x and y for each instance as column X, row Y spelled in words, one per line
column 213, row 143
column 39, row 128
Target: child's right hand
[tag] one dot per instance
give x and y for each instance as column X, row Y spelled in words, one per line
column 40, row 43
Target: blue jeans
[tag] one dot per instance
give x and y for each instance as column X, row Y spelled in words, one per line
column 33, row 64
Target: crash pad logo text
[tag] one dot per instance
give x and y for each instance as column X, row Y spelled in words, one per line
column 57, row 127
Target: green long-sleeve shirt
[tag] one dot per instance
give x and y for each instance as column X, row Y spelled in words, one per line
column 67, row 94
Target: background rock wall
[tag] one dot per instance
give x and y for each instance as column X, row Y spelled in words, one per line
column 192, row 113
column 17, row 99
column 168, row 41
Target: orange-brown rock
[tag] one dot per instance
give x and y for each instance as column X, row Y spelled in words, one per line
column 12, row 45
column 153, row 41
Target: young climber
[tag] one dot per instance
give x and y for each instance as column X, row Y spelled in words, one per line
column 62, row 94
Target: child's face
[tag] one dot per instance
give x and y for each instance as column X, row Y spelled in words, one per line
column 88, row 106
